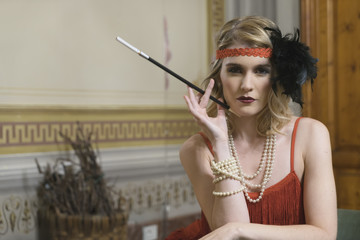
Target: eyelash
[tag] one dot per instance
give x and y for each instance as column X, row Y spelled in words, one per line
column 234, row 70
column 260, row 71
column 263, row 71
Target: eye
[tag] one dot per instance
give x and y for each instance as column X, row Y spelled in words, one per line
column 263, row 70
column 234, row 69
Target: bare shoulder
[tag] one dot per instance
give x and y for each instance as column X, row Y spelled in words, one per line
column 194, row 151
column 309, row 127
column 314, row 139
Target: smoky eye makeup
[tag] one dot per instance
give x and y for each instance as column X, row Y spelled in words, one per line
column 234, row 68
column 263, row 69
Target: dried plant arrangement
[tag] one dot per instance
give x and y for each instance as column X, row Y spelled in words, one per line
column 77, row 187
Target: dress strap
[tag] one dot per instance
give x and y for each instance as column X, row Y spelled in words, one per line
column 292, row 157
column 207, row 141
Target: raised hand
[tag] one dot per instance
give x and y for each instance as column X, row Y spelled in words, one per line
column 215, row 128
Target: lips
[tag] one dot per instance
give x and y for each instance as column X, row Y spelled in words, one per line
column 244, row 99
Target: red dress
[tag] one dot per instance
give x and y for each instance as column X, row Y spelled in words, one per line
column 281, row 204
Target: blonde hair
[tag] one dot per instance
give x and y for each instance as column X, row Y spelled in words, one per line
column 251, row 31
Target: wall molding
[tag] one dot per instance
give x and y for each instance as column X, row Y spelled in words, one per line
column 19, row 171
column 36, row 129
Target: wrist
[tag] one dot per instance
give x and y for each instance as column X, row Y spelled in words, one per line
column 219, row 157
column 221, row 151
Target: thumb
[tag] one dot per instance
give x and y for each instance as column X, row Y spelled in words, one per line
column 220, row 109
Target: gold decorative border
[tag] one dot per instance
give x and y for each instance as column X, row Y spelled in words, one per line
column 24, row 130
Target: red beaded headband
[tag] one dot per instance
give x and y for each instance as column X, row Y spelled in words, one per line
column 255, row 52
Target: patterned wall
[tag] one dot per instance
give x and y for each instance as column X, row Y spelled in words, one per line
column 17, row 215
column 37, row 130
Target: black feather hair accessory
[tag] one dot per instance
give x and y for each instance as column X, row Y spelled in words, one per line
column 293, row 63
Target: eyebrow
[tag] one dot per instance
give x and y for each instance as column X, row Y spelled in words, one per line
column 268, row 65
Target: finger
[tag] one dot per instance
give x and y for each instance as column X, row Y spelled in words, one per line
column 192, row 97
column 189, row 104
column 191, row 108
column 205, row 98
column 220, row 109
column 221, row 113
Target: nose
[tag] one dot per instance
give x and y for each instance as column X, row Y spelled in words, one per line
column 247, row 82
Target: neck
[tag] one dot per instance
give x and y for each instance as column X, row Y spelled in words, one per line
column 245, row 128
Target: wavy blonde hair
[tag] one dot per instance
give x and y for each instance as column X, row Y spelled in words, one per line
column 251, row 31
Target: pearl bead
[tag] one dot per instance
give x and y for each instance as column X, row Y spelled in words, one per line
column 231, row 168
column 267, row 157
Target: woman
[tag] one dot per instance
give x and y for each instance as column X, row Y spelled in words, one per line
column 258, row 171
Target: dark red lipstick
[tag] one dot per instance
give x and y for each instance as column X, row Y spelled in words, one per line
column 244, row 99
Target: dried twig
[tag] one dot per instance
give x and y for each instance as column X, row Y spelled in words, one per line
column 81, row 192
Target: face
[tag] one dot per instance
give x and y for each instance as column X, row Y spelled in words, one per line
column 246, row 83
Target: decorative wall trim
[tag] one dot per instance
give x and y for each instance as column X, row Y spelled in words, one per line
column 17, row 215
column 37, row 129
column 46, row 133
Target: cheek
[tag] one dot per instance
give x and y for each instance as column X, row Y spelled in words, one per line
column 265, row 86
column 228, row 83
column 227, row 86
column 266, row 91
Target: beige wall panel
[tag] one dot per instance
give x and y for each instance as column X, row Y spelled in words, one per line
column 64, row 52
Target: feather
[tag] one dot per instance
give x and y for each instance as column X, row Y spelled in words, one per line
column 293, row 63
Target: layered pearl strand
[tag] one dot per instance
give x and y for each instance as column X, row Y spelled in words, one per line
column 267, row 159
column 231, row 168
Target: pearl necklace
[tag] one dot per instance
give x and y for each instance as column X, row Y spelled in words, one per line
column 267, row 159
